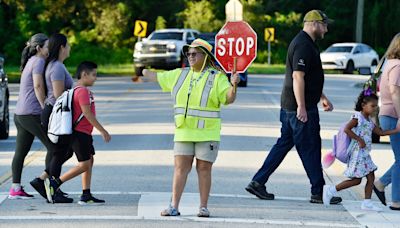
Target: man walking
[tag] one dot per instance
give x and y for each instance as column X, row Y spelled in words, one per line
column 302, row 91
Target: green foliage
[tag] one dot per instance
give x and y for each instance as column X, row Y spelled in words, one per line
column 200, row 15
column 160, row 23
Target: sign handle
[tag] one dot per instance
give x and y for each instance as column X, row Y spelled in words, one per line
column 234, row 72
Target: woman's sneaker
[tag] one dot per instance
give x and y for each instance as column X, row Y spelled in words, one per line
column 369, row 206
column 170, row 211
column 90, row 200
column 38, row 185
column 203, row 212
column 19, row 194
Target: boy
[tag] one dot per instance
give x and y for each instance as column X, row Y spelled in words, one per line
column 82, row 140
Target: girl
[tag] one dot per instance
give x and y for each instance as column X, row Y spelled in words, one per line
column 360, row 164
column 29, row 107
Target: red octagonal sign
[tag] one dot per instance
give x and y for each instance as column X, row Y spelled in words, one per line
column 235, row 39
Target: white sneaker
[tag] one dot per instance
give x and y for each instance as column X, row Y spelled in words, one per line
column 326, row 195
column 370, row 207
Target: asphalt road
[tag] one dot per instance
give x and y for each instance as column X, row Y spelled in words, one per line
column 133, row 172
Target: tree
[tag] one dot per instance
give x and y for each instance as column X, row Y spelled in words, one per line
column 160, row 23
column 201, row 16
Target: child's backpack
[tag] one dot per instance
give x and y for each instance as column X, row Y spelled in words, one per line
column 341, row 142
column 60, row 122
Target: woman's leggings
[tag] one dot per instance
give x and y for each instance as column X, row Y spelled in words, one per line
column 28, row 126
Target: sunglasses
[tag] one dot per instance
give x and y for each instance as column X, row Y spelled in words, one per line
column 193, row 54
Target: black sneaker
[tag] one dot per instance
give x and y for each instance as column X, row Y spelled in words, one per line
column 60, row 198
column 62, row 193
column 90, row 200
column 38, row 185
column 259, row 190
column 318, row 199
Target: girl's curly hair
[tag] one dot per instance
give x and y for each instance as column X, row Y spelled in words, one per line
column 364, row 97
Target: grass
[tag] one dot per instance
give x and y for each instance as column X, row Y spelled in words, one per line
column 128, row 70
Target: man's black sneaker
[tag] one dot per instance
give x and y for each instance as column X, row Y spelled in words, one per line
column 38, row 185
column 259, row 190
column 318, row 199
column 60, row 198
column 90, row 200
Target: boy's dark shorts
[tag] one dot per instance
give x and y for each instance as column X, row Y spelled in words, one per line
column 82, row 145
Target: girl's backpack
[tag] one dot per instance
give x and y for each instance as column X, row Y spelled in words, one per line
column 341, row 142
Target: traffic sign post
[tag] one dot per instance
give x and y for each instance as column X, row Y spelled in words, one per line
column 236, row 39
column 269, row 35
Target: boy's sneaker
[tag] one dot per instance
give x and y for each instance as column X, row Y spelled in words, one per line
column 203, row 212
column 38, row 185
column 51, row 187
column 369, row 206
column 170, row 211
column 62, row 193
column 90, row 200
column 19, row 194
column 60, row 198
column 327, row 195
column 259, row 190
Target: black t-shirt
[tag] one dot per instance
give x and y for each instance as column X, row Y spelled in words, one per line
column 303, row 55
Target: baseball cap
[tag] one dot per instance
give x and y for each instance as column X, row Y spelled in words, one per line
column 317, row 15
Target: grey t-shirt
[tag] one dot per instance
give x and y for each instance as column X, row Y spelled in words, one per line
column 56, row 71
column 28, row 103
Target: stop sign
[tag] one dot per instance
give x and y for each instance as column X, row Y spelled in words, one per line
column 235, row 39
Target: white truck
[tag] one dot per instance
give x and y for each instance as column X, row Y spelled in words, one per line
column 162, row 49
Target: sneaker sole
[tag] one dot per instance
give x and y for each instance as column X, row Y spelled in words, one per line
column 48, row 190
column 19, row 197
column 251, row 191
column 90, row 204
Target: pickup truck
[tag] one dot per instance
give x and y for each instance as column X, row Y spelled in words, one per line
column 162, row 49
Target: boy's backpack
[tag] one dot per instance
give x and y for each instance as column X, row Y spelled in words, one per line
column 60, row 122
column 341, row 142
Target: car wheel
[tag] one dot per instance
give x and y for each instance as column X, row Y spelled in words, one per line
column 349, row 68
column 5, row 124
column 138, row 71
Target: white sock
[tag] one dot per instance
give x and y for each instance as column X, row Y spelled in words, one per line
column 16, row 186
column 332, row 189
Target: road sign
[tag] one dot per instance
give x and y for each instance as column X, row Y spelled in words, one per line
column 234, row 10
column 236, row 39
column 269, row 34
column 140, row 28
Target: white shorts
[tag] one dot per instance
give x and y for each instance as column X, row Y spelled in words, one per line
column 206, row 151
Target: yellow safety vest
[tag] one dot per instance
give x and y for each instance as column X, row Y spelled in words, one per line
column 197, row 110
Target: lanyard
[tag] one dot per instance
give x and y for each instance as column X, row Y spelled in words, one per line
column 191, row 85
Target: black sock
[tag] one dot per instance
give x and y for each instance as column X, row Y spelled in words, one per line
column 58, row 181
column 86, row 192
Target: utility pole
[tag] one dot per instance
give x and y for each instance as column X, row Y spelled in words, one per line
column 359, row 22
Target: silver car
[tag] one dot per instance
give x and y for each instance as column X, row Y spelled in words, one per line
column 4, row 96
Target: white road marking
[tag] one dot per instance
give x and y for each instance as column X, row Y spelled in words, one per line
column 152, row 203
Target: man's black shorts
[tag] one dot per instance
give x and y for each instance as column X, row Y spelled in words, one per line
column 82, row 145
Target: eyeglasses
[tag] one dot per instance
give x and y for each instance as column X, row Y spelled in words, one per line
column 188, row 54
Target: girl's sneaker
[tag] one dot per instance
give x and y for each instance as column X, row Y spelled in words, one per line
column 170, row 211
column 369, row 206
column 203, row 212
column 19, row 194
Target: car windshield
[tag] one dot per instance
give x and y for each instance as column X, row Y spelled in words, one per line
column 207, row 36
column 167, row 36
column 339, row 49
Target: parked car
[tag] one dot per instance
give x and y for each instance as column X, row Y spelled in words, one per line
column 162, row 49
column 349, row 57
column 4, row 98
column 210, row 38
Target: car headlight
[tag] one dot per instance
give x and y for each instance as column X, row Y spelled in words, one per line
column 138, row 47
column 171, row 47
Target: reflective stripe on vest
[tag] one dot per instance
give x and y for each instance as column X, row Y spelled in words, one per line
column 197, row 113
column 205, row 94
column 179, row 83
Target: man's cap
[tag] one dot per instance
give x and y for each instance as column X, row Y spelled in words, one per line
column 203, row 45
column 317, row 15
